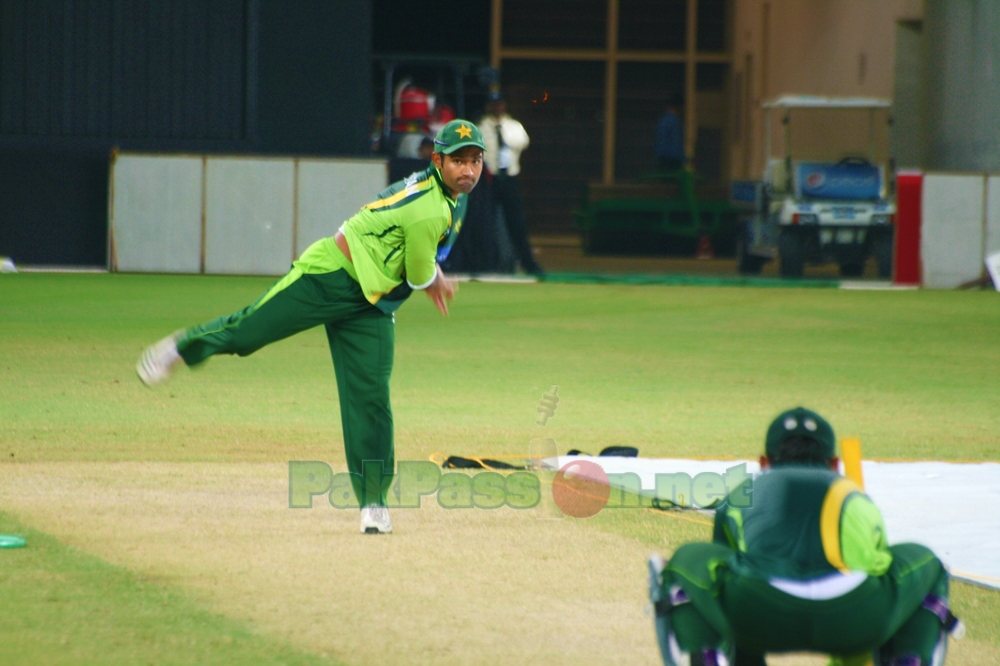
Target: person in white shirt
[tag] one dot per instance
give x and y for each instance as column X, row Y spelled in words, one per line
column 505, row 140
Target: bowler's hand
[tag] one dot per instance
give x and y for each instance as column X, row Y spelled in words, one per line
column 441, row 291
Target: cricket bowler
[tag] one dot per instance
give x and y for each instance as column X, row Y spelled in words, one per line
column 801, row 564
column 351, row 283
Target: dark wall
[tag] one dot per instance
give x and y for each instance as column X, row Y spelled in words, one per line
column 440, row 27
column 315, row 81
column 157, row 71
column 80, row 77
column 53, row 205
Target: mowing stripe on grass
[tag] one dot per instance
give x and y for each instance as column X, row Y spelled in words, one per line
column 61, row 605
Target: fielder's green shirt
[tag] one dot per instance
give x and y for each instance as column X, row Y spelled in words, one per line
column 396, row 241
column 804, row 523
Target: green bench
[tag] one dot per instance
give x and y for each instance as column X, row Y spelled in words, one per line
column 660, row 214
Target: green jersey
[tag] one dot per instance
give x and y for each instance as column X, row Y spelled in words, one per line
column 805, row 522
column 397, row 240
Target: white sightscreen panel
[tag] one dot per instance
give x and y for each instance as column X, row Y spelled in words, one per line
column 156, row 213
column 330, row 191
column 248, row 216
column 951, row 233
column 992, row 215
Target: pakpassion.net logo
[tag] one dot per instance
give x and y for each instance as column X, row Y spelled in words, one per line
column 580, row 488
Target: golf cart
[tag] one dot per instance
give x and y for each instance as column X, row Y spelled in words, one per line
column 828, row 198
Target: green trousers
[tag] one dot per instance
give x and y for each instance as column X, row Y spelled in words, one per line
column 883, row 614
column 361, row 339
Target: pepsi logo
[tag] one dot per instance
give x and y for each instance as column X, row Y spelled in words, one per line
column 815, row 179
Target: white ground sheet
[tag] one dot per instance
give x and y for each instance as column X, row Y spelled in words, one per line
column 953, row 508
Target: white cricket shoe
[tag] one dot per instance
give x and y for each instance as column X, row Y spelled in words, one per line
column 375, row 520
column 156, row 362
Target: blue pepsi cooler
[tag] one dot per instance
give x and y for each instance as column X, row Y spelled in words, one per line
column 845, row 181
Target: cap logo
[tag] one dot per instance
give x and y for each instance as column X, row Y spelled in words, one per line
column 791, row 424
column 464, row 132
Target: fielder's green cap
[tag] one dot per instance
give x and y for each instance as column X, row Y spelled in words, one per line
column 456, row 135
column 803, row 422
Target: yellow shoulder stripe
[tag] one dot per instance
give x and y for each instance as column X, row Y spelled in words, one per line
column 399, row 196
column 829, row 520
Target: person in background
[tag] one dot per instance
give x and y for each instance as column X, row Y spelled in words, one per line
column 401, row 167
column 426, row 149
column 505, row 140
column 669, row 140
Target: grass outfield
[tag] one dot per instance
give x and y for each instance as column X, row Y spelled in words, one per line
column 177, row 498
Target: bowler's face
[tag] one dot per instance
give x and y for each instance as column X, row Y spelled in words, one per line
column 461, row 170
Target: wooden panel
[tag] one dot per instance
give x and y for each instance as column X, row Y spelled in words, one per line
column 249, row 209
column 555, row 23
column 644, row 90
column 951, row 232
column 657, row 25
column 992, row 215
column 567, row 133
column 713, row 20
column 331, row 191
column 156, row 213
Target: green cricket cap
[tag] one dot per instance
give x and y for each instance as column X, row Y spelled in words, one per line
column 802, row 422
column 456, row 135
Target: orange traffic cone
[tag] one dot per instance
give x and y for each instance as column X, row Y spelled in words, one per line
column 705, row 249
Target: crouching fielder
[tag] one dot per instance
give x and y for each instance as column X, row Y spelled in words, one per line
column 351, row 283
column 801, row 564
